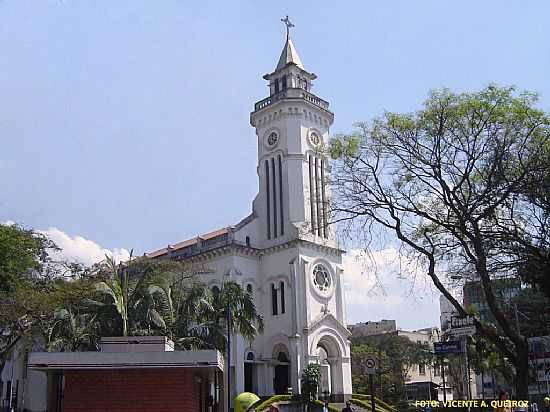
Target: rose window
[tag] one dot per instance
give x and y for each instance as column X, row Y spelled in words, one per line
column 321, row 278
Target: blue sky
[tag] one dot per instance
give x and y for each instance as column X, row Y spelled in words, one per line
column 126, row 123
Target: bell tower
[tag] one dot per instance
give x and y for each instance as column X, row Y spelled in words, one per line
column 292, row 125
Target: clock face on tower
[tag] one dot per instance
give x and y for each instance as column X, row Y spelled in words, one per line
column 272, row 139
column 314, row 139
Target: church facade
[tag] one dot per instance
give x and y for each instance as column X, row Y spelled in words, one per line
column 284, row 253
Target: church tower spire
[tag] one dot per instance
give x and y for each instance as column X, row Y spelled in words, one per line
column 292, row 126
column 289, row 55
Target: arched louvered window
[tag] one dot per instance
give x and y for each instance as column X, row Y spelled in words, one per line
column 282, row 290
column 268, row 199
column 274, row 303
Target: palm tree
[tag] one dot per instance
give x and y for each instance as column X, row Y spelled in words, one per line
column 245, row 319
column 198, row 316
column 150, row 296
column 73, row 331
column 194, row 326
column 128, row 290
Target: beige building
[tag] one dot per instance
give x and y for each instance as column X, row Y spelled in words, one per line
column 423, row 381
column 371, row 328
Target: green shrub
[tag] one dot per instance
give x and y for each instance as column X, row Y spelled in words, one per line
column 366, row 405
column 366, row 398
column 262, row 406
column 311, row 376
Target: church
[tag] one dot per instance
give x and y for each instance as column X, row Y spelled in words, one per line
column 284, row 253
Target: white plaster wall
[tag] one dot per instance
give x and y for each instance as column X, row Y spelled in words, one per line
column 32, row 389
column 293, row 122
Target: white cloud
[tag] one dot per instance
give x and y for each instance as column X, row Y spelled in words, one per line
column 79, row 249
column 384, row 285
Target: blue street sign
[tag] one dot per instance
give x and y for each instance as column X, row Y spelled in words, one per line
column 445, row 348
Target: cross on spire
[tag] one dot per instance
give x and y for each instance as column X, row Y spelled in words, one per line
column 288, row 25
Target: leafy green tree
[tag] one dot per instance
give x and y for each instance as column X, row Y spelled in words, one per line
column 529, row 312
column 245, row 319
column 196, row 325
column 396, row 356
column 73, row 331
column 201, row 318
column 532, row 252
column 134, row 297
column 148, row 296
column 22, row 252
column 29, row 314
column 310, row 379
column 448, row 182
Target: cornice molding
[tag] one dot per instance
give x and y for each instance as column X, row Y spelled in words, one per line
column 247, row 251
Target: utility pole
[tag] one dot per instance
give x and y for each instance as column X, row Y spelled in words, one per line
column 467, row 374
column 372, row 401
column 480, row 348
column 380, row 371
column 443, row 378
column 228, row 358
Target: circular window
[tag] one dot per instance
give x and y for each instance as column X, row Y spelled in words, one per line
column 321, row 278
column 272, row 139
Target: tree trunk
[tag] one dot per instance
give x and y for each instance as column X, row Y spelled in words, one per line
column 522, row 371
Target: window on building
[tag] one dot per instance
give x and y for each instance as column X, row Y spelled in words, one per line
column 268, row 199
column 276, row 85
column 421, row 369
column 283, row 81
column 282, row 357
column 282, row 289
column 25, row 363
column 8, row 391
column 281, row 195
column 247, row 241
column 274, row 303
column 15, row 397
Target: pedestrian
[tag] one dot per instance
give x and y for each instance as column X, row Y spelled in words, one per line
column 348, row 407
column 503, row 396
column 325, row 406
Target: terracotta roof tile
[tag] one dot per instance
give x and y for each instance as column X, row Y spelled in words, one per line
column 215, row 233
column 188, row 242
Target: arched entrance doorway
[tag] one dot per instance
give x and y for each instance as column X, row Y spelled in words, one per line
column 325, row 383
column 281, row 380
column 329, row 355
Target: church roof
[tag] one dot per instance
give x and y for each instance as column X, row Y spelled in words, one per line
column 188, row 242
column 289, row 55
